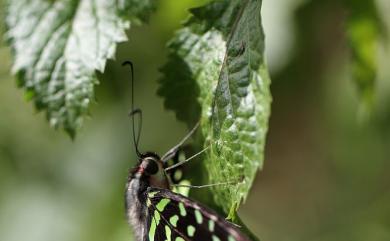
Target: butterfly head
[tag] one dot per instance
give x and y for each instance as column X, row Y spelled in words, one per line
column 149, row 164
column 151, row 167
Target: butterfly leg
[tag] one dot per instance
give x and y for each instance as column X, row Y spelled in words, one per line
column 172, row 152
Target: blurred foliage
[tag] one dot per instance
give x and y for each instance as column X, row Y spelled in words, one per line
column 365, row 31
column 325, row 176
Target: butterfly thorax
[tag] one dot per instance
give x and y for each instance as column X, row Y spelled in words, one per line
column 148, row 173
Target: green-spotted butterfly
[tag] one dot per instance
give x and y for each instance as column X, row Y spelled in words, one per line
column 158, row 214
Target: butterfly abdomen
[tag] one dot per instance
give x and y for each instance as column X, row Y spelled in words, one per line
column 136, row 211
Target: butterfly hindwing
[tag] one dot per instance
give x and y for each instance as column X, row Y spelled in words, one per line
column 173, row 217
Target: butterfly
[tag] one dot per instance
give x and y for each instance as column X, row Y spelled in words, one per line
column 156, row 213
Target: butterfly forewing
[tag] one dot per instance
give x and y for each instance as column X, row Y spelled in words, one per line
column 173, row 217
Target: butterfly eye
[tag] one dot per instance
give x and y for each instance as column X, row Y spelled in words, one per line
column 151, row 166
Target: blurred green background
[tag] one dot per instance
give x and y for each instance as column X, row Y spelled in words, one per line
column 325, row 176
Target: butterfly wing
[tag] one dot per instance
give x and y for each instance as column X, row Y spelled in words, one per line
column 176, row 174
column 173, row 217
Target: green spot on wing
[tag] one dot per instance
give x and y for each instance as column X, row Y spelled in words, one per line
column 230, row 238
column 173, row 220
column 182, row 209
column 211, row 225
column 178, row 175
column 156, row 217
column 161, row 205
column 152, row 230
column 215, row 238
column 152, row 194
column 153, row 225
column 179, row 239
column 198, row 217
column 168, row 233
column 190, row 230
column 155, row 221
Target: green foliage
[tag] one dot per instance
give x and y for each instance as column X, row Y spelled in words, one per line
column 217, row 59
column 364, row 32
column 58, row 45
column 215, row 72
column 327, row 157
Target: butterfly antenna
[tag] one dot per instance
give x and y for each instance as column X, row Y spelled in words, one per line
column 186, row 160
column 134, row 111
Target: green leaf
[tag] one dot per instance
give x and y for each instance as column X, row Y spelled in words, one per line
column 58, row 45
column 216, row 72
column 364, row 31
